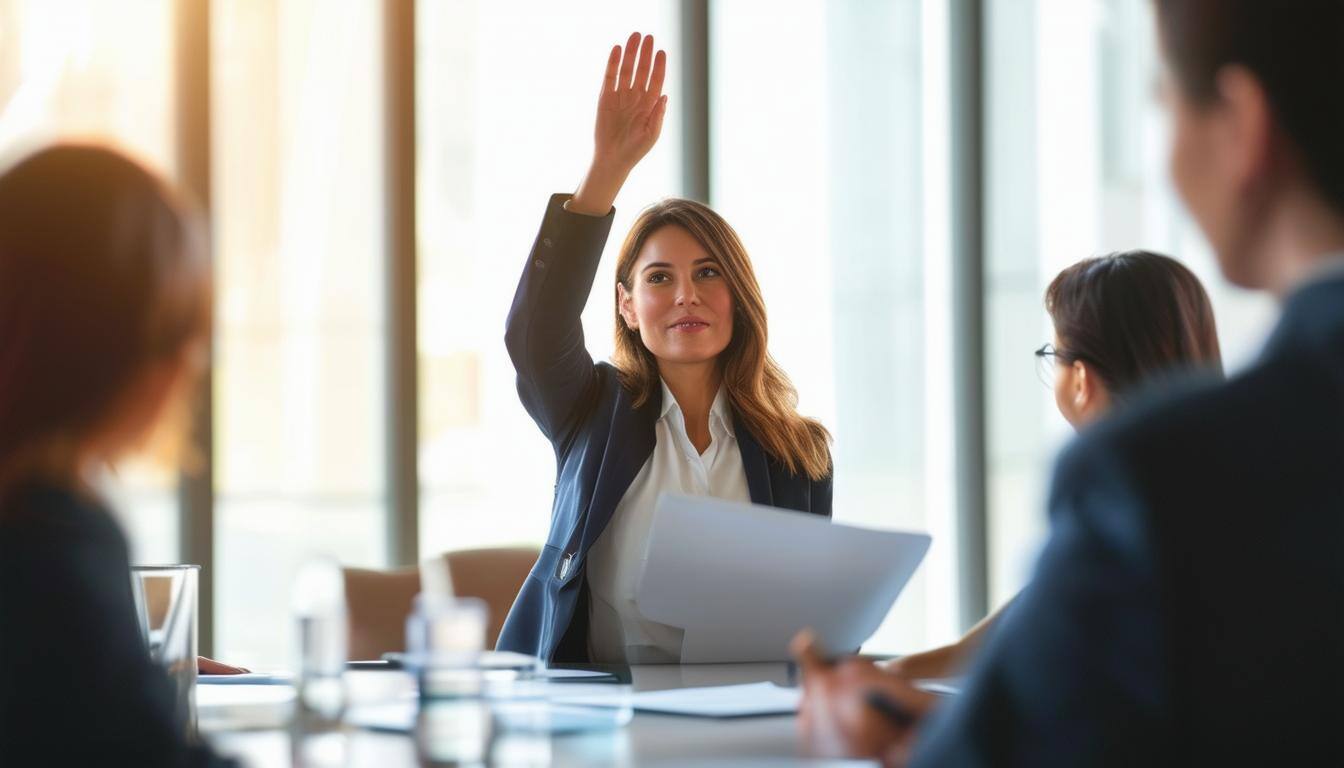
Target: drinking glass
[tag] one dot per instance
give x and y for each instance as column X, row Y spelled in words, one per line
column 166, row 606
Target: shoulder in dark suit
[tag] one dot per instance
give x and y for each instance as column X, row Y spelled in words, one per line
column 1188, row 608
column 77, row 686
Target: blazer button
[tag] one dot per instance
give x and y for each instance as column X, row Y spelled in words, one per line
column 539, row 264
column 546, row 241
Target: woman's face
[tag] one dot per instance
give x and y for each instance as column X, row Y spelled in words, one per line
column 678, row 300
column 1080, row 395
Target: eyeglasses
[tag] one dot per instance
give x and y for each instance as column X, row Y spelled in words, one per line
column 1047, row 358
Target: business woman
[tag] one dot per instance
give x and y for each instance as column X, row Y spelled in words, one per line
column 1122, row 323
column 104, row 321
column 692, row 403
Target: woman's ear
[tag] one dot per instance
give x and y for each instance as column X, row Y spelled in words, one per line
column 626, row 304
column 1090, row 396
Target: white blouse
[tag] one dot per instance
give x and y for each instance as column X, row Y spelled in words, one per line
column 617, row 633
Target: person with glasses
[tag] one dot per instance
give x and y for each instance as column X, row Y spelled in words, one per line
column 1188, row 607
column 1123, row 323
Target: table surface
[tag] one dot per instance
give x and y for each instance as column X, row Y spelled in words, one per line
column 650, row 739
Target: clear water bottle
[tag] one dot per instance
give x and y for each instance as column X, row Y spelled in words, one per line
column 317, row 738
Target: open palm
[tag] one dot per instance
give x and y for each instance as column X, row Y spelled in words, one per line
column 631, row 106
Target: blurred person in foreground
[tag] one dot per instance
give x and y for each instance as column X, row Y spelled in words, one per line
column 1187, row 609
column 105, row 304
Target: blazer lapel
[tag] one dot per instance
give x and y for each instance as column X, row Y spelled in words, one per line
column 629, row 447
column 754, row 463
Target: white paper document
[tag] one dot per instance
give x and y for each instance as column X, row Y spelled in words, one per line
column 741, row 580
column 750, row 700
column 248, row 678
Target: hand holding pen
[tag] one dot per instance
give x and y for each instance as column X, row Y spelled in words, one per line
column 851, row 707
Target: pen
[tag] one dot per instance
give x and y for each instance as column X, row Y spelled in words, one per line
column 893, row 712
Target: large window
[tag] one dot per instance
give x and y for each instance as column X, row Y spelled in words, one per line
column 299, row 247
column 1077, row 167
column 824, row 163
column 499, row 131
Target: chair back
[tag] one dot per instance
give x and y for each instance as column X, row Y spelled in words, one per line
column 379, row 601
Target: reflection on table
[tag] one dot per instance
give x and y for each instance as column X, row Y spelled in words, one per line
column 250, row 722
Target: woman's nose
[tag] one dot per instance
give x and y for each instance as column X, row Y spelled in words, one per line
column 686, row 294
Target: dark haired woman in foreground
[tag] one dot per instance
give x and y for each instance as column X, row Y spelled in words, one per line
column 104, row 322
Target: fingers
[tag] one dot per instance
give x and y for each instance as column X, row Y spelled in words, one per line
column 206, row 666
column 659, row 73
column 613, row 63
column 656, row 118
column 641, row 83
column 910, row 698
column 804, row 644
column 628, row 62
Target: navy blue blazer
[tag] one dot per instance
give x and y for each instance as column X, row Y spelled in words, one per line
column 77, row 686
column 601, row 440
column 1189, row 606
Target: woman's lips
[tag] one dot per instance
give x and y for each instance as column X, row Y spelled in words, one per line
column 689, row 325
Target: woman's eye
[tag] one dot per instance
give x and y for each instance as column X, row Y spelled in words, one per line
column 709, row 272
column 658, row 277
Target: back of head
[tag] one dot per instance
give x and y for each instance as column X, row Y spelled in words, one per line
column 1292, row 47
column 1132, row 316
column 101, row 276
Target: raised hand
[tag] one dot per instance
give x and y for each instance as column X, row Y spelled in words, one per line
column 630, row 110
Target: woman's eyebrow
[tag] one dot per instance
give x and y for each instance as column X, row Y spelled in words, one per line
column 665, row 265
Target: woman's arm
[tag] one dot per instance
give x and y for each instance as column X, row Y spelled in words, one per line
column 949, row 660
column 544, row 333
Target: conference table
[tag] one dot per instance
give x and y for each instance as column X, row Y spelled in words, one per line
column 246, row 722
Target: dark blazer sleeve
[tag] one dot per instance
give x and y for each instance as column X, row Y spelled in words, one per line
column 76, row 684
column 544, row 334
column 1074, row 674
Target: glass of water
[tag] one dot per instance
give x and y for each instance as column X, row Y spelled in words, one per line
column 166, row 605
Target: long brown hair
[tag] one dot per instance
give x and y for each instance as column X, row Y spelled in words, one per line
column 102, row 274
column 1132, row 316
column 757, row 387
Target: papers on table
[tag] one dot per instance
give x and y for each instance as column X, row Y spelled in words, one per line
column 749, row 700
column 247, row 678
column 585, row 675
column 741, row 580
